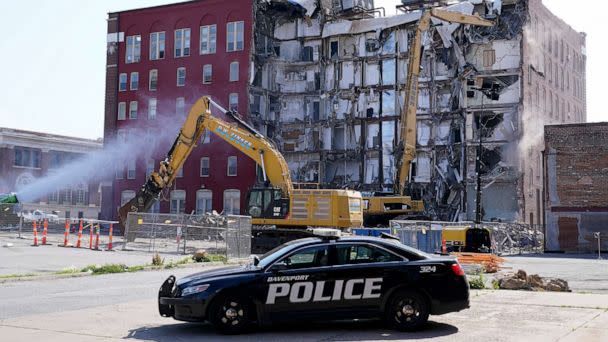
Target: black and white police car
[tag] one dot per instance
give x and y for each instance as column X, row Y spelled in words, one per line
column 322, row 278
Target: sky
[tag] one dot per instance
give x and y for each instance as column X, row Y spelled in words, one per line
column 53, row 53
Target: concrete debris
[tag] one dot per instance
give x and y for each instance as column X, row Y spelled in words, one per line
column 533, row 282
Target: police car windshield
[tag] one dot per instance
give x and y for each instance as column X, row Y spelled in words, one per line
column 276, row 252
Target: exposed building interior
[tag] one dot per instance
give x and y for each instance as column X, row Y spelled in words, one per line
column 328, row 88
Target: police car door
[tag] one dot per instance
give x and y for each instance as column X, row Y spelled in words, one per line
column 292, row 285
column 367, row 272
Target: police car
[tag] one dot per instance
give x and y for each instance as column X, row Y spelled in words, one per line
column 321, row 278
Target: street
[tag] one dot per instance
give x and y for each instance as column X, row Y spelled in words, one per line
column 123, row 306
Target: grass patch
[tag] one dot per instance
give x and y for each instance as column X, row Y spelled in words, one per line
column 214, row 258
column 111, row 268
column 477, row 283
column 176, row 263
column 16, row 275
column 68, row 270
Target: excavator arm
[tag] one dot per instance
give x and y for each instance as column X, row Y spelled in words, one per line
column 406, row 148
column 240, row 135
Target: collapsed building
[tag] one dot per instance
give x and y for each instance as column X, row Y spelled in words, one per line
column 327, row 85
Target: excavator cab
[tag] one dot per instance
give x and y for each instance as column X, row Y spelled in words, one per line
column 268, row 203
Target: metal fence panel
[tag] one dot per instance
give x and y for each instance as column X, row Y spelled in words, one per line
column 229, row 236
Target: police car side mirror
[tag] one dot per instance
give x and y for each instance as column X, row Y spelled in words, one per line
column 256, row 260
column 279, row 266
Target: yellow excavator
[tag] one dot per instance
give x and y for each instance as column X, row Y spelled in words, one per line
column 382, row 207
column 274, row 204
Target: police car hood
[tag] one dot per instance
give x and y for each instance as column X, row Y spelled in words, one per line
column 215, row 273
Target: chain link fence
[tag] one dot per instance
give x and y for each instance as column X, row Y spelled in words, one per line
column 229, row 236
column 507, row 238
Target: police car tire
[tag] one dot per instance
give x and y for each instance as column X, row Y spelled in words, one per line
column 231, row 314
column 407, row 310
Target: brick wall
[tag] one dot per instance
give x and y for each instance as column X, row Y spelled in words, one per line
column 581, row 164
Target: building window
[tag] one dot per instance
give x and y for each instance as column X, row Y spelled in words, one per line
column 134, row 80
column 234, row 71
column 204, row 201
column 81, row 194
column 65, row 196
column 489, row 58
column 149, row 167
column 126, row 196
column 131, row 169
column 207, row 73
column 181, row 77
column 232, row 202
column 233, row 102
column 155, row 208
column 235, row 36
column 133, row 110
column 53, row 197
column 232, row 162
column 205, row 167
column 180, row 172
column 152, row 108
column 208, row 39
column 133, row 49
column 157, row 45
column 120, row 174
column 206, row 138
column 182, row 42
column 180, row 106
column 153, row 79
column 178, row 201
column 27, row 157
column 122, row 111
column 122, row 82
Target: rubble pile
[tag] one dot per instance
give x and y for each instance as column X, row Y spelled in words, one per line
column 510, row 237
column 533, row 282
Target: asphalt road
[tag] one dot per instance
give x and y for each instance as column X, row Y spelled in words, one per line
column 123, row 306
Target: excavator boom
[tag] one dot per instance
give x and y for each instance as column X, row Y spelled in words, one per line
column 240, row 135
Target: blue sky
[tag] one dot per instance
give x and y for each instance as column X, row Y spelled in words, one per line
column 53, row 60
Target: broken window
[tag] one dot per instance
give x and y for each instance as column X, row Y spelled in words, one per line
column 389, row 43
column 388, row 103
column 208, row 39
column 307, row 54
column 133, row 49
column 182, row 42
column 489, row 160
column 157, row 45
column 487, row 122
column 234, row 36
column 333, row 49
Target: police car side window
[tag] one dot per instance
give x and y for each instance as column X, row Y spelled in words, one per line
column 363, row 254
column 317, row 256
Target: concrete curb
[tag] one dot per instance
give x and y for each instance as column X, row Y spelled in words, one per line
column 51, row 276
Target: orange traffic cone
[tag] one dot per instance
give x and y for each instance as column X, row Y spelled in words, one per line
column 44, row 232
column 66, row 233
column 110, row 237
column 79, row 234
column 444, row 248
column 97, row 238
column 35, row 235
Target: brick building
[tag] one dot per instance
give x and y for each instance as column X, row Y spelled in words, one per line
column 26, row 156
column 160, row 60
column 576, row 186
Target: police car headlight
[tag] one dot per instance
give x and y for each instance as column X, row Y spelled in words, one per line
column 194, row 289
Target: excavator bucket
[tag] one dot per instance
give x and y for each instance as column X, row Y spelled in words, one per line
column 10, row 198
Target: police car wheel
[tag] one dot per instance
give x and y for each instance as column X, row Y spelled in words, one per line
column 407, row 311
column 231, row 314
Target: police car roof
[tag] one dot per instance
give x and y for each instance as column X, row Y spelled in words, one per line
column 357, row 238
